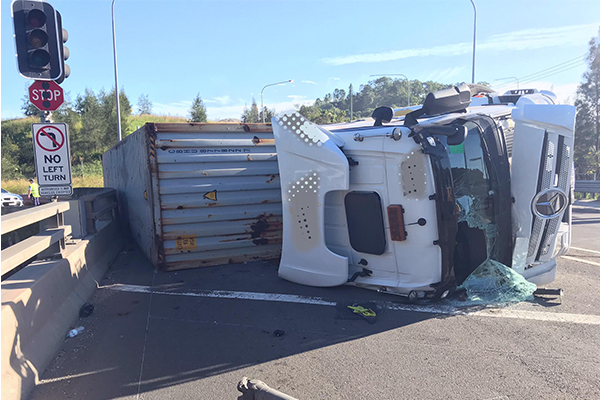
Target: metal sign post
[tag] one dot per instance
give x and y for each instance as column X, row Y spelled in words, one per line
column 52, row 159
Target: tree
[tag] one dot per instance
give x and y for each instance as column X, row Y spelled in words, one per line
column 28, row 108
column 267, row 113
column 587, row 125
column 251, row 115
column 198, row 110
column 144, row 105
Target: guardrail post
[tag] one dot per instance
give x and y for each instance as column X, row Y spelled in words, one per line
column 55, row 250
column 90, row 220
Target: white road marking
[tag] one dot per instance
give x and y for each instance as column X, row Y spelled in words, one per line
column 582, row 260
column 69, row 377
column 145, row 337
column 222, row 294
column 580, row 249
column 431, row 309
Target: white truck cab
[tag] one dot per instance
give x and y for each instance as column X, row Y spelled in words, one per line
column 411, row 201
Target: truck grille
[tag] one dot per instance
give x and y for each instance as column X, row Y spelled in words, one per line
column 554, row 173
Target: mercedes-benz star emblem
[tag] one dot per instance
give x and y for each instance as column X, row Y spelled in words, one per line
column 549, row 203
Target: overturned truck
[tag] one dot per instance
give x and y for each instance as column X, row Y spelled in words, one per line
column 411, row 201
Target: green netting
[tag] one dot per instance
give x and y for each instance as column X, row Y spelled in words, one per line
column 495, row 283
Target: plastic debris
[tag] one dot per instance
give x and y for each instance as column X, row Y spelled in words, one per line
column 367, row 312
column 495, row 283
column 86, row 310
column 74, row 332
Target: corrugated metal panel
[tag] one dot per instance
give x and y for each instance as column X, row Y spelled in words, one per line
column 126, row 168
column 219, row 193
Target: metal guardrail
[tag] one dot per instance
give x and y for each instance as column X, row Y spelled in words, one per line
column 100, row 206
column 587, row 186
column 48, row 242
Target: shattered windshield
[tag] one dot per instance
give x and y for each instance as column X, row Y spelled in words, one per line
column 474, row 200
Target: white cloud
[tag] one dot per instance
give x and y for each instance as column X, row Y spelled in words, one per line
column 311, row 82
column 180, row 108
column 565, row 93
column 217, row 113
column 219, row 100
column 527, row 39
column 296, row 97
column 444, row 74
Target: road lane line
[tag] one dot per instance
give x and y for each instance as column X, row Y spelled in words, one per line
column 145, row 337
column 319, row 301
column 74, row 376
column 580, row 249
column 581, row 260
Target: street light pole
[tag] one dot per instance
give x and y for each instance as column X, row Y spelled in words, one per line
column 262, row 107
column 474, row 38
column 116, row 74
column 351, row 103
column 407, row 85
column 509, row 77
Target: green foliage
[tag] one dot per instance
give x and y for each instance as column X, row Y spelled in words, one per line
column 137, row 121
column 29, row 110
column 92, row 122
column 144, row 105
column 587, row 126
column 383, row 91
column 17, row 148
column 321, row 116
column 198, row 110
column 251, row 115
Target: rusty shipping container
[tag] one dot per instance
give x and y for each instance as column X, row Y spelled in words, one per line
column 199, row 194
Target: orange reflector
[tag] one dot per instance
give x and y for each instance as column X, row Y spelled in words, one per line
column 396, row 219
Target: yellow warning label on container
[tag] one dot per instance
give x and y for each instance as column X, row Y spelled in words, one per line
column 186, row 242
column 211, row 195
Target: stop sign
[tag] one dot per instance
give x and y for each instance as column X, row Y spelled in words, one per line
column 46, row 95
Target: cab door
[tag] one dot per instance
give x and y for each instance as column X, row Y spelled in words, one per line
column 311, row 164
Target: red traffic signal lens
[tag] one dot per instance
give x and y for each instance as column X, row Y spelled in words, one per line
column 36, row 18
column 38, row 38
column 39, row 58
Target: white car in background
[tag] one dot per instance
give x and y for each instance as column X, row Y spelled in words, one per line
column 11, row 199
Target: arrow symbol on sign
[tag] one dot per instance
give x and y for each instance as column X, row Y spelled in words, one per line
column 50, row 136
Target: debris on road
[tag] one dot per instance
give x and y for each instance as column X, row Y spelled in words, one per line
column 495, row 283
column 74, row 332
column 367, row 312
column 86, row 310
column 278, row 332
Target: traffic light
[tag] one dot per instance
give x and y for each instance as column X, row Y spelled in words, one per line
column 38, row 40
column 64, row 50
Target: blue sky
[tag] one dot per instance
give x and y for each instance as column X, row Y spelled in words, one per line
column 228, row 50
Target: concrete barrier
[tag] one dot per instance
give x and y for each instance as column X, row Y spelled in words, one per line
column 42, row 301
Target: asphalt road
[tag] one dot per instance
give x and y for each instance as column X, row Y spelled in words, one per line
column 171, row 336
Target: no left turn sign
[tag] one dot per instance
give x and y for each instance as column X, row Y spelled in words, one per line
column 52, row 159
column 50, row 137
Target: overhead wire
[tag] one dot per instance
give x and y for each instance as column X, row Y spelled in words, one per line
column 547, row 72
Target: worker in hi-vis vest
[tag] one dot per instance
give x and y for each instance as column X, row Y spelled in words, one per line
column 34, row 192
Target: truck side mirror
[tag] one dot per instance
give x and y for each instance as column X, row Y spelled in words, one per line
column 382, row 114
column 446, row 101
column 459, row 137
